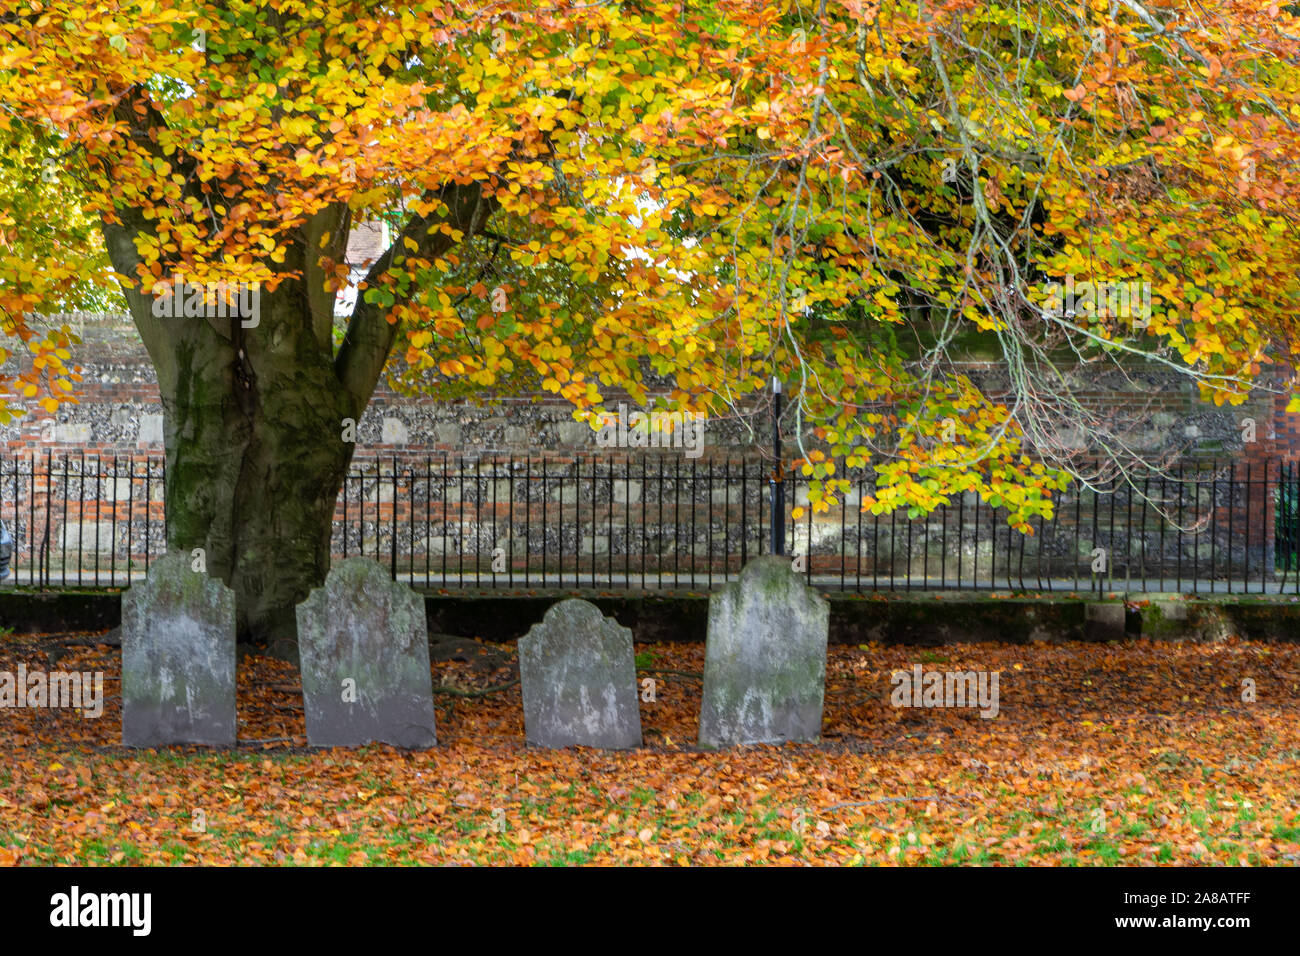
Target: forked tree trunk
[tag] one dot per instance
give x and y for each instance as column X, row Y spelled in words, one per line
column 253, row 471
column 255, row 460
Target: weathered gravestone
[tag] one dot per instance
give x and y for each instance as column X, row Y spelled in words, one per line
column 765, row 661
column 364, row 649
column 178, row 658
column 579, row 680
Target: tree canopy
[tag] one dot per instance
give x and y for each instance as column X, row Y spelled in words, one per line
column 588, row 197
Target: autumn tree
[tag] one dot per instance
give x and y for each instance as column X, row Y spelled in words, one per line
column 587, row 197
column 42, row 220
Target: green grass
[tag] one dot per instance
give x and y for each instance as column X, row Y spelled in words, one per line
column 399, row 827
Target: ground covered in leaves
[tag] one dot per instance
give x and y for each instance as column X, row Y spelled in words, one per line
column 1101, row 754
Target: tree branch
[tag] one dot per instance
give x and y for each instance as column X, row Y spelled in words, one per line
column 335, row 220
column 144, row 122
column 370, row 336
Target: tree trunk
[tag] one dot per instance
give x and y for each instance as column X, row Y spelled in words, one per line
column 255, row 487
column 255, row 459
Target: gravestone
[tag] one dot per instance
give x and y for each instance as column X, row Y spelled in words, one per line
column 579, row 680
column 765, row 660
column 364, row 650
column 178, row 658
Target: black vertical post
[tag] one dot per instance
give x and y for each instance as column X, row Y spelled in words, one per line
column 677, row 521
column 1039, row 549
column 1295, row 526
column 410, row 525
column 460, row 526
column 645, row 483
column 510, row 517
column 1263, row 557
column 112, row 555
column 81, row 512
column 130, row 511
column 844, row 551
column 627, row 523
column 961, row 530
column 1097, row 582
column 392, row 562
column 1246, row 572
column 708, row 530
column 1214, row 513
column 659, row 542
column 1182, row 487
column 444, row 519
column 710, row 499
column 1146, row 494
column 428, row 516
column 778, row 488
column 528, row 518
column 63, row 544
column 1232, row 503
column 1128, row 535
column 609, row 527
column 858, row 544
column 544, row 542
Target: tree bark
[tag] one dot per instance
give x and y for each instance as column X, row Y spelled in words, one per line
column 255, row 459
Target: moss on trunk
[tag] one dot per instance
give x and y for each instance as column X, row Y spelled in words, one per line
column 255, row 460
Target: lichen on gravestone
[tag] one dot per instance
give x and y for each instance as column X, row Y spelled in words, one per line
column 578, row 673
column 178, row 658
column 765, row 659
column 364, row 649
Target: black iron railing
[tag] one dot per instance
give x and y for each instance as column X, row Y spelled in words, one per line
column 680, row 523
